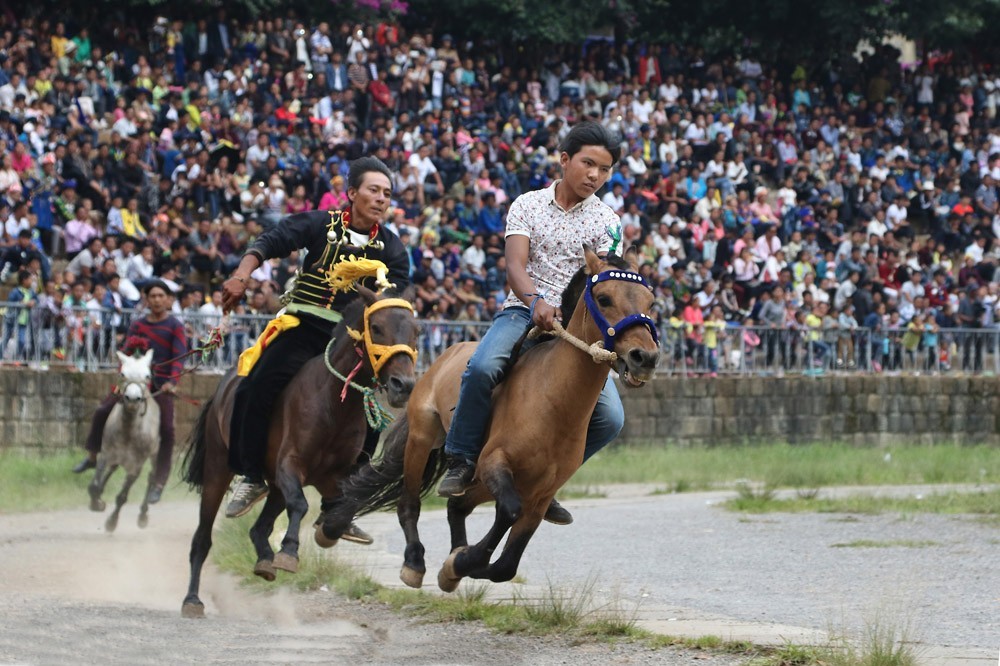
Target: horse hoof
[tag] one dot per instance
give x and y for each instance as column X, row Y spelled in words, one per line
column 411, row 577
column 322, row 540
column 143, row 520
column 286, row 562
column 97, row 504
column 193, row 611
column 110, row 524
column 448, row 580
column 264, row 569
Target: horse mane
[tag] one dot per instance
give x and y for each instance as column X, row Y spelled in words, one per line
column 350, row 316
column 574, row 290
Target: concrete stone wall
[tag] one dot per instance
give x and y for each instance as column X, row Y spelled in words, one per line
column 51, row 410
column 864, row 410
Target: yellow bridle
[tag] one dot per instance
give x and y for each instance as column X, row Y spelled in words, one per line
column 378, row 354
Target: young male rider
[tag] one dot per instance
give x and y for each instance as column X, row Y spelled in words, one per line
column 328, row 236
column 545, row 232
column 164, row 334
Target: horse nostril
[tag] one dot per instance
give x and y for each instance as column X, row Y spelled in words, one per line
column 642, row 358
column 399, row 385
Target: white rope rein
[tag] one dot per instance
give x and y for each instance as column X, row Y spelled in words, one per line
column 596, row 350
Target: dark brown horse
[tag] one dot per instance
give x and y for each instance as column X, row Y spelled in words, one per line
column 535, row 441
column 316, row 433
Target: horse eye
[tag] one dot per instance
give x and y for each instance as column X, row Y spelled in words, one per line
column 376, row 329
column 604, row 301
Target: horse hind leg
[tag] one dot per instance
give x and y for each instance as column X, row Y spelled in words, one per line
column 260, row 534
column 217, row 477
column 290, row 486
column 112, row 522
column 423, row 432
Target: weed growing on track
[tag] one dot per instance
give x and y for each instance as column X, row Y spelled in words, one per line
column 983, row 504
column 891, row 543
column 807, row 466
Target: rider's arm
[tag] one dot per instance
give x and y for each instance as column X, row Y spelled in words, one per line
column 516, row 252
column 291, row 233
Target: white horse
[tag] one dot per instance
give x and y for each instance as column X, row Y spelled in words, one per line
column 131, row 436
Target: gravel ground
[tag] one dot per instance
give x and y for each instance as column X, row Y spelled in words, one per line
column 682, row 556
column 70, row 593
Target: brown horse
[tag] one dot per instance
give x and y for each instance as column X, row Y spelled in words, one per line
column 316, row 432
column 535, row 441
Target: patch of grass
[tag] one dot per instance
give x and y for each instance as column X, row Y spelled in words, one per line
column 883, row 641
column 233, row 552
column 710, row 643
column 982, row 503
column 31, row 482
column 791, row 655
column 807, row 466
column 580, row 492
column 891, row 543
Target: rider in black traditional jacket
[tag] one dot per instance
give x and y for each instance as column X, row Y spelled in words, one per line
column 328, row 237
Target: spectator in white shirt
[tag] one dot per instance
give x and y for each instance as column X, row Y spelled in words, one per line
column 614, row 199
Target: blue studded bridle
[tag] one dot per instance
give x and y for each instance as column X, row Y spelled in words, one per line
column 609, row 332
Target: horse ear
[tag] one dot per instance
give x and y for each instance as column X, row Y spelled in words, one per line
column 122, row 358
column 592, row 260
column 632, row 258
column 147, row 358
column 367, row 294
column 409, row 294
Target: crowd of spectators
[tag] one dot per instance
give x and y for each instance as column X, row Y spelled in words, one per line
column 818, row 199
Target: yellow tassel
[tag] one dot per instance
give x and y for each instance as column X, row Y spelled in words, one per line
column 348, row 271
column 357, row 336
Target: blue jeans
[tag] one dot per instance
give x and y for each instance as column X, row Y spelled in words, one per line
column 485, row 370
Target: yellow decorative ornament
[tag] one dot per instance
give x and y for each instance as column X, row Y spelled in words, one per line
column 345, row 274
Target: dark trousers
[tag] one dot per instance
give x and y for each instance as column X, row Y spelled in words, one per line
column 164, row 457
column 257, row 393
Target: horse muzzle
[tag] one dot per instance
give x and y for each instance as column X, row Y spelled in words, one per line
column 637, row 366
column 398, row 390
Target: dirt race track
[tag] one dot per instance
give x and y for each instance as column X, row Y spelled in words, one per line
column 69, row 593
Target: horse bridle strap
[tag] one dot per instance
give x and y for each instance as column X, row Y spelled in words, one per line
column 608, row 332
column 379, row 354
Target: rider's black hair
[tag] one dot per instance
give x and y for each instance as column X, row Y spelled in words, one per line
column 363, row 165
column 590, row 133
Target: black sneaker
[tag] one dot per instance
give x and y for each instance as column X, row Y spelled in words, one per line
column 557, row 514
column 357, row 535
column 154, row 494
column 84, row 465
column 245, row 495
column 458, row 477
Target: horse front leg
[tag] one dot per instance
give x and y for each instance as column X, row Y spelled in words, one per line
column 144, row 508
column 505, row 568
column 96, row 487
column 260, row 535
column 112, row 522
column 464, row 560
column 290, row 485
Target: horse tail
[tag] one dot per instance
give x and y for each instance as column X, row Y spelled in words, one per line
column 379, row 484
column 193, row 466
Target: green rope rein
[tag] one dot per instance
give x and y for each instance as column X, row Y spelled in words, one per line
column 377, row 416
